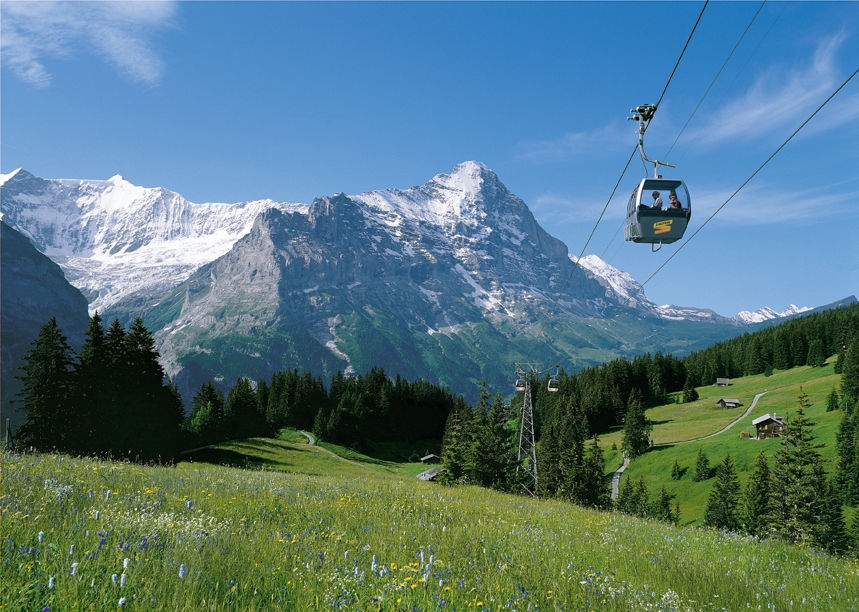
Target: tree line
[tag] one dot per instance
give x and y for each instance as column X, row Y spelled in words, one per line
column 113, row 399
column 568, row 422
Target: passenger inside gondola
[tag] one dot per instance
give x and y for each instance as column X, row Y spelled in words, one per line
column 657, row 201
column 673, row 202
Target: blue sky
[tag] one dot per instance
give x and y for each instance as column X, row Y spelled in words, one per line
column 228, row 102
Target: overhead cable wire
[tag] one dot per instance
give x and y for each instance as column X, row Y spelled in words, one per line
column 677, row 63
column 628, row 161
column 715, row 78
column 761, row 167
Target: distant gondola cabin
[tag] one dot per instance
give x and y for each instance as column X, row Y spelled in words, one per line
column 658, row 211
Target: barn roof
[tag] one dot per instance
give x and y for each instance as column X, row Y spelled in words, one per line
column 767, row 417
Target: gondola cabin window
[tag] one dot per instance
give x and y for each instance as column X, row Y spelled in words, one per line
column 658, row 211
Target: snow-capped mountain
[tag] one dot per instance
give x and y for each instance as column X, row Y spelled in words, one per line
column 768, row 314
column 114, row 239
column 451, row 281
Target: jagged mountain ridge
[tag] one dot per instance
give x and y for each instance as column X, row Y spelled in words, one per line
column 430, row 282
column 114, row 239
column 356, row 282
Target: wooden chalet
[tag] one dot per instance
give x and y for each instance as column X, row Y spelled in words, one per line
column 729, row 402
column 723, row 382
column 768, row 426
column 431, row 458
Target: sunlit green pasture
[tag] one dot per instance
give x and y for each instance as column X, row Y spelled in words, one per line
column 82, row 534
column 676, row 424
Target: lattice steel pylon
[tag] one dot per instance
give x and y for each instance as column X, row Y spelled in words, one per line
column 526, row 460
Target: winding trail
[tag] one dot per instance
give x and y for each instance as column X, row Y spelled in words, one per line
column 615, row 480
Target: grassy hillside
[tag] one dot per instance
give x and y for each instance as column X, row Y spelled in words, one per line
column 294, row 526
column 678, row 427
column 82, row 534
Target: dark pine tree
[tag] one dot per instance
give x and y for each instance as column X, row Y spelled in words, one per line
column 798, row 491
column 46, row 391
column 755, row 506
column 830, row 531
column 495, row 459
column 850, row 374
column 676, row 470
column 633, row 497
column 595, row 489
column 242, row 417
column 662, row 510
column 722, row 505
column 205, row 424
column 636, row 428
column 847, row 446
column 832, row 400
column 151, row 415
column 689, row 392
column 454, row 449
column 702, row 466
column 92, row 396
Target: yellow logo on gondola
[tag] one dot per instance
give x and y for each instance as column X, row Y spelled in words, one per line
column 662, row 227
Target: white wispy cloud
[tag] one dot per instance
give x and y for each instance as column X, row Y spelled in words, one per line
column 778, row 101
column 766, row 204
column 609, row 138
column 33, row 33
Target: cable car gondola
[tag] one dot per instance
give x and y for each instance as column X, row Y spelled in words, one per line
column 649, row 220
column 553, row 385
column 659, row 209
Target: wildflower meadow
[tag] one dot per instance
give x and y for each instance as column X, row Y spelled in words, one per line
column 85, row 534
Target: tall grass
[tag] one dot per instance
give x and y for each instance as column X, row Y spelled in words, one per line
column 82, row 534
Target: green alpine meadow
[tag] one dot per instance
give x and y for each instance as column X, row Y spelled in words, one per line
column 86, row 534
column 724, row 480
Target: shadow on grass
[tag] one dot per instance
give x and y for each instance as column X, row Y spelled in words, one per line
column 231, row 458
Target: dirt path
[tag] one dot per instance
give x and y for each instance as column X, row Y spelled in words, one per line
column 615, row 480
column 724, row 429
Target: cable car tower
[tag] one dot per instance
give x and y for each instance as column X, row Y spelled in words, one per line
column 651, row 221
column 526, row 459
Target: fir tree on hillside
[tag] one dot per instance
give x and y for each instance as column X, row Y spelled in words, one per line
column 755, row 512
column 494, row 458
column 595, row 490
column 798, row 483
column 689, row 392
column 633, row 497
column 242, row 417
column 453, row 449
column 676, row 470
column 723, row 502
column 702, row 466
column 93, row 398
column 206, row 421
column 847, row 445
column 47, row 390
column 113, row 401
column 850, row 373
column 151, row 411
column 830, row 531
column 636, row 428
column 662, row 510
